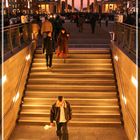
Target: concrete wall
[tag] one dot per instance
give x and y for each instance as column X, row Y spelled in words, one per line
column 125, row 69
column 16, row 70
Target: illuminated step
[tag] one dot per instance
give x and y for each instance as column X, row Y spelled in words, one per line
column 54, row 87
column 75, row 108
column 68, row 94
column 80, row 56
column 80, row 122
column 70, row 60
column 31, row 112
column 95, row 81
column 72, row 69
column 69, row 75
column 76, row 65
column 73, row 101
column 84, row 51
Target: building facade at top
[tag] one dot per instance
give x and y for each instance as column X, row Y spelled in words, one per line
column 55, row 6
column 30, row 6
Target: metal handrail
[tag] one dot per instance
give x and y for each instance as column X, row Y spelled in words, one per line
column 16, row 36
column 125, row 36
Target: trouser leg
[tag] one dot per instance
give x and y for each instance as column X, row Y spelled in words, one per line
column 64, row 132
column 50, row 63
column 58, row 131
column 47, row 59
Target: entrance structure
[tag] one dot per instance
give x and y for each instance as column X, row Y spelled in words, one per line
column 73, row 5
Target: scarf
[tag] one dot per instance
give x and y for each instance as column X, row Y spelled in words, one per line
column 61, row 104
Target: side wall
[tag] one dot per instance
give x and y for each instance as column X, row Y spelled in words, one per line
column 125, row 70
column 16, row 70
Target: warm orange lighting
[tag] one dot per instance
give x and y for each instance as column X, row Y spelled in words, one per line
column 15, row 98
column 134, row 81
column 109, row 7
column 46, row 127
column 4, row 79
column 116, row 57
column 124, row 99
column 28, row 57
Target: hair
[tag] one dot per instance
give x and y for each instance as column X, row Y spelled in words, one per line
column 60, row 98
column 46, row 17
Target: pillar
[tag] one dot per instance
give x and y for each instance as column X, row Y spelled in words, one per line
column 72, row 5
column 88, row 5
column 81, row 6
column 66, row 5
column 95, row 6
column 59, row 8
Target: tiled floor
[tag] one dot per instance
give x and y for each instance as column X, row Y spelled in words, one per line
column 27, row 132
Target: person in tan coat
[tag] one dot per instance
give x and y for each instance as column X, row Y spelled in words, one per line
column 46, row 32
column 46, row 27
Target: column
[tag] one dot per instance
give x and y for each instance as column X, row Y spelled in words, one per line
column 81, row 6
column 72, row 5
column 59, row 7
column 66, row 5
column 95, row 6
column 88, row 5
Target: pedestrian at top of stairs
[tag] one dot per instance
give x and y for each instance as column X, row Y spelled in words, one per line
column 61, row 112
column 62, row 44
column 46, row 32
column 46, row 27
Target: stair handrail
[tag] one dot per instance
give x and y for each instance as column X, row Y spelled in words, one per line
column 123, row 93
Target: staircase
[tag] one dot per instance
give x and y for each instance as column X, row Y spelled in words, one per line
column 86, row 80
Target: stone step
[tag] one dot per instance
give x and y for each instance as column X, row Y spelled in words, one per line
column 73, row 101
column 75, row 108
column 82, row 123
column 70, row 60
column 79, row 56
column 46, row 113
column 73, row 81
column 83, row 51
column 69, row 75
column 73, row 69
column 76, row 65
column 83, row 46
column 54, row 87
column 68, row 94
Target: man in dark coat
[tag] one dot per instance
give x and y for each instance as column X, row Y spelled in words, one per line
column 48, row 49
column 61, row 113
column 93, row 23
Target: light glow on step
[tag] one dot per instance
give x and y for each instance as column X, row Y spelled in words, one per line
column 46, row 127
column 15, row 98
column 4, row 79
column 116, row 57
column 136, row 137
column 28, row 57
column 134, row 81
column 124, row 99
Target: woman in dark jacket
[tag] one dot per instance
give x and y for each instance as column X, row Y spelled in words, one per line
column 48, row 49
column 62, row 43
